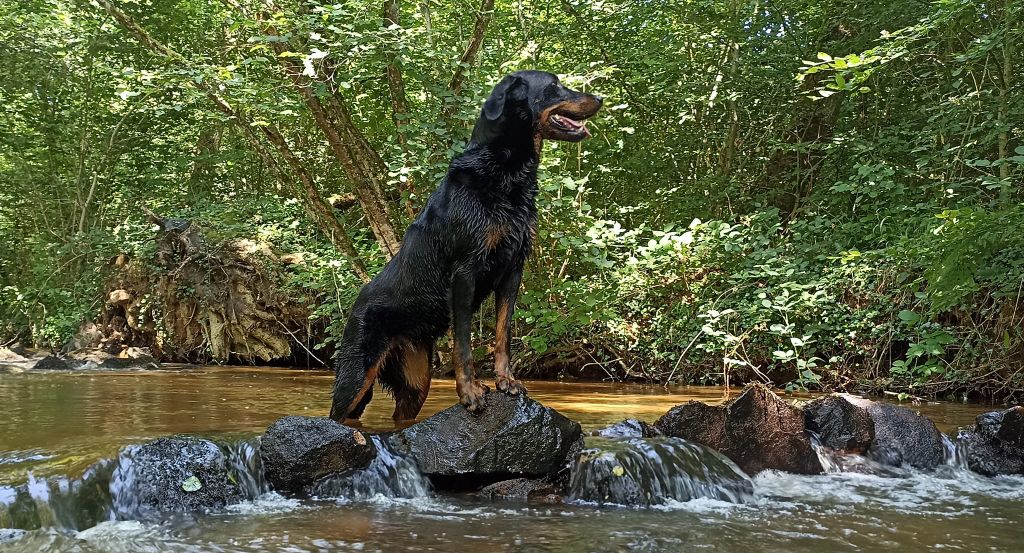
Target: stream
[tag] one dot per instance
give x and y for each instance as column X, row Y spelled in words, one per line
column 57, row 429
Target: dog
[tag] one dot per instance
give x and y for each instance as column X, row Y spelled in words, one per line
column 469, row 241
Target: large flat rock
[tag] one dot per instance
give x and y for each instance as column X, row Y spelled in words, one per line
column 513, row 437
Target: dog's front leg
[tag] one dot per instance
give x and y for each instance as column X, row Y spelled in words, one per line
column 471, row 393
column 505, row 302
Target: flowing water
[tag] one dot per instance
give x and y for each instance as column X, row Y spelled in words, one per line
column 61, row 432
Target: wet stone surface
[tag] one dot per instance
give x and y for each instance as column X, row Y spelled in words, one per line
column 172, row 475
column 757, row 430
column 297, row 451
column 513, row 436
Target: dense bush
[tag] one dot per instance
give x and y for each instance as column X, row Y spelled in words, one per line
column 819, row 195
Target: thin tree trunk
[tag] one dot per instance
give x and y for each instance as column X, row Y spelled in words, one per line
column 1004, row 102
column 359, row 160
column 425, row 10
column 318, row 209
column 399, row 105
column 729, row 147
column 483, row 19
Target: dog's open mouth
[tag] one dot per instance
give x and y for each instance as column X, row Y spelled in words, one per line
column 569, row 124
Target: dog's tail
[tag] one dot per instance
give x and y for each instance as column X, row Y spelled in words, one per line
column 353, row 382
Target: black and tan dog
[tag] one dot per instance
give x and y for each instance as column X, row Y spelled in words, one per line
column 470, row 240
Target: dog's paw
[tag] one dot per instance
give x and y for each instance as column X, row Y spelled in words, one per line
column 472, row 397
column 509, row 385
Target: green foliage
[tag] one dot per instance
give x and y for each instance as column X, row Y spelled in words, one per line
column 817, row 194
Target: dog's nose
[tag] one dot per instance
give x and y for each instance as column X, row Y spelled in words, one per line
column 599, row 99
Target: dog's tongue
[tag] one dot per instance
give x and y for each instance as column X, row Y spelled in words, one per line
column 573, row 124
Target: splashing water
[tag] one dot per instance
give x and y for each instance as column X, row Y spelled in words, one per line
column 389, row 475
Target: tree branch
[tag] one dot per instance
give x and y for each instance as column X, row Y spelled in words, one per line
column 483, row 19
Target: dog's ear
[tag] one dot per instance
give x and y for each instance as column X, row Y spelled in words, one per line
column 495, row 104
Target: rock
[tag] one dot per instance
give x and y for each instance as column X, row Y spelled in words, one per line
column 88, row 335
column 172, row 475
column 521, row 488
column 51, row 363
column 11, row 361
column 10, row 534
column 629, row 428
column 840, row 424
column 7, row 355
column 514, row 436
column 644, row 472
column 757, row 430
column 297, row 451
column 129, row 358
column 902, row 436
column 995, row 445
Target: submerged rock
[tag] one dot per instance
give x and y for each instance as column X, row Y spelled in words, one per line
column 995, row 445
column 521, row 488
column 629, row 428
column 172, row 475
column 644, row 472
column 297, row 451
column 513, row 436
column 840, row 424
column 757, row 430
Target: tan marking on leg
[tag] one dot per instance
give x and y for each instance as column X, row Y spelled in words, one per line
column 416, row 367
column 503, row 379
column 501, row 338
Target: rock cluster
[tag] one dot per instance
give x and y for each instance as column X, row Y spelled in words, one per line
column 757, row 430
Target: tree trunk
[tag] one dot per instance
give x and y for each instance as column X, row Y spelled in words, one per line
column 483, row 19
column 1004, row 102
column 316, row 207
column 399, row 105
column 359, row 160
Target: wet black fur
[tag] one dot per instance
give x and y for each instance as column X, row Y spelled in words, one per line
column 445, row 266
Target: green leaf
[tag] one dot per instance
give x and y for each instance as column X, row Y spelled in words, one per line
column 909, row 317
column 191, row 484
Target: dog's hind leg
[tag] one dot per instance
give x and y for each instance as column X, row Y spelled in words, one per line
column 355, row 373
column 407, row 373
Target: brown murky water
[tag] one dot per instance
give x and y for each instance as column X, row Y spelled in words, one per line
column 60, row 423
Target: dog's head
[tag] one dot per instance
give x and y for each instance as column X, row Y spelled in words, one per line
column 535, row 105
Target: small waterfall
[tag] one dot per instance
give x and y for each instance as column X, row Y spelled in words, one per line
column 70, row 503
column 389, row 474
column 102, row 492
column 246, row 467
column 643, row 472
column 831, row 460
column 956, row 452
